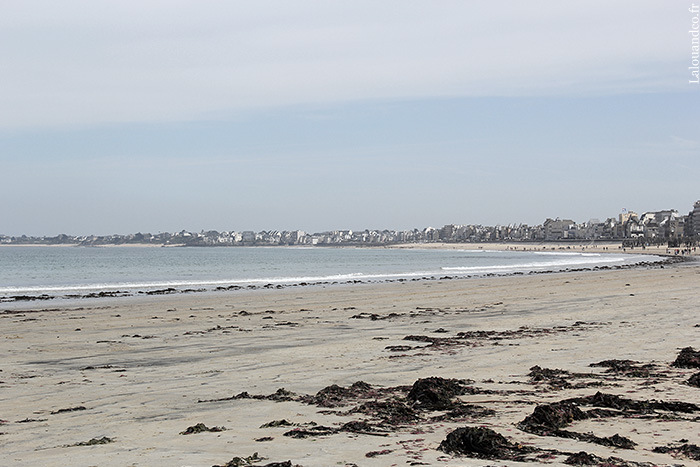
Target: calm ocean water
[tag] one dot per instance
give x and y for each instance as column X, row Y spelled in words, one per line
column 71, row 270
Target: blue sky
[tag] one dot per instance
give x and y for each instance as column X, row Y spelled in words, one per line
column 162, row 116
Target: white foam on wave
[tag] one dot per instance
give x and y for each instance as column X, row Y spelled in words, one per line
column 564, row 261
column 560, row 264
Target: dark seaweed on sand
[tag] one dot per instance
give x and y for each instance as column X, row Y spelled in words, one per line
column 584, row 458
column 482, row 443
column 550, row 419
column 253, row 460
column 690, row 451
column 201, row 428
column 694, row 380
column 687, row 358
column 627, row 368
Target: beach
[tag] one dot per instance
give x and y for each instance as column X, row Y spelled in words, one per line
column 117, row 381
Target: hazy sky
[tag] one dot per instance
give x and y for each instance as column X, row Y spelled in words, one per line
column 118, row 117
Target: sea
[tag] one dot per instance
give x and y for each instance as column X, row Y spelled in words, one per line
column 67, row 270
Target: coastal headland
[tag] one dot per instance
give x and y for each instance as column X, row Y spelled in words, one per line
column 590, row 367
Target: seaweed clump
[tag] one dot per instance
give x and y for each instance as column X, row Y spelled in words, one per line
column 687, row 358
column 436, row 393
column 628, row 368
column 253, row 460
column 694, row 380
column 546, row 419
column 482, row 443
column 690, row 451
column 201, row 428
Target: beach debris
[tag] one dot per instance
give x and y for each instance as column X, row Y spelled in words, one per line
column 690, row 451
column 311, row 431
column 584, row 458
column 476, row 338
column 242, row 461
column 276, row 423
column 70, row 409
column 281, row 395
column 546, row 419
column 482, row 443
column 264, row 439
column 201, row 428
column 92, row 442
column 106, row 293
column 100, row 367
column 687, row 358
column 694, row 380
column 169, row 290
column 399, row 406
column 26, row 298
column 628, row 368
column 550, row 419
column 356, row 426
column 553, row 377
column 374, row 316
column 336, row 396
column 436, row 393
column 252, row 461
column 400, row 348
column 393, row 411
column 378, row 453
column 631, row 406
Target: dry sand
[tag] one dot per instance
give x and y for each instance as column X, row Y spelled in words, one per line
column 136, row 370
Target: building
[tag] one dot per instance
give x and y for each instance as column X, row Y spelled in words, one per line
column 558, row 229
column 694, row 220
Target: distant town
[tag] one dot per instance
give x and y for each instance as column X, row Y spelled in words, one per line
column 629, row 228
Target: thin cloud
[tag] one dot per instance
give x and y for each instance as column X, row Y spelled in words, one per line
column 80, row 63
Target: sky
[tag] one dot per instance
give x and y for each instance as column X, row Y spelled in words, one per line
column 155, row 116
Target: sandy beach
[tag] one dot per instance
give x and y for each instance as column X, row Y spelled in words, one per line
column 117, row 381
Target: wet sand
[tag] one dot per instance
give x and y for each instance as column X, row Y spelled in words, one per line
column 114, row 381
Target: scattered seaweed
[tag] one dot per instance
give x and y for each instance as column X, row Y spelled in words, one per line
column 546, row 419
column 694, row 380
column 393, row 411
column 201, row 428
column 383, row 452
column 375, row 316
column 631, row 406
column 550, row 419
column 276, row 423
column 584, row 458
column 628, row 368
column 690, row 451
column 483, row 443
column 93, row 442
column 435, row 393
column 242, row 461
column 281, row 395
column 687, row 358
column 311, row 431
column 475, row 338
column 336, row 396
column 70, row 409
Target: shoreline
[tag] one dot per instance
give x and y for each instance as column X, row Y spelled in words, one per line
column 580, row 247
column 591, row 246
column 167, row 289
column 115, row 382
